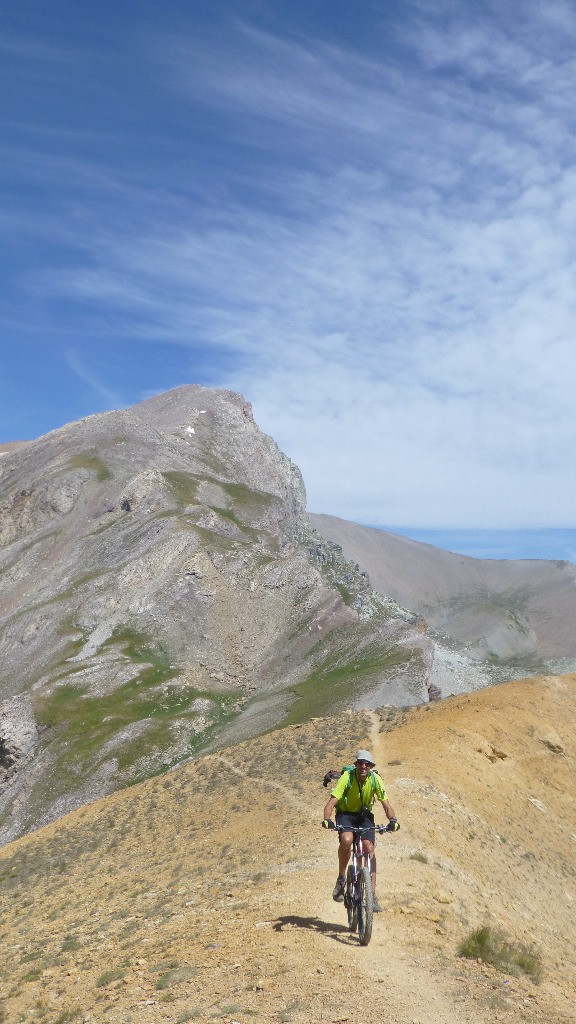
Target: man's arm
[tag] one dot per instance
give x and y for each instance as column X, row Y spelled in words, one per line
column 330, row 807
column 388, row 809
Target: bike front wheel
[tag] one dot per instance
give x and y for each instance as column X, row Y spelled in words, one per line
column 364, row 906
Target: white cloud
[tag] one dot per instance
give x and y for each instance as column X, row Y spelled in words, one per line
column 104, row 394
column 396, row 284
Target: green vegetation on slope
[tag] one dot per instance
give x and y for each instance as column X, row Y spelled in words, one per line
column 132, row 723
column 92, row 461
column 341, row 675
column 245, row 504
column 515, row 600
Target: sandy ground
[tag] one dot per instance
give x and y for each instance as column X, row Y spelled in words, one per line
column 205, row 894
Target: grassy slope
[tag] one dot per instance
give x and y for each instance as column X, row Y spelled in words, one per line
column 142, row 907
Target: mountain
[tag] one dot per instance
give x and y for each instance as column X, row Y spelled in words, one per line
column 205, row 894
column 502, row 617
column 162, row 593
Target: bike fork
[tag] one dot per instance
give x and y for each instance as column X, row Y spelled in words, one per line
column 366, row 859
column 353, row 877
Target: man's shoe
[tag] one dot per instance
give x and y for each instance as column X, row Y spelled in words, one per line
column 338, row 891
column 376, row 906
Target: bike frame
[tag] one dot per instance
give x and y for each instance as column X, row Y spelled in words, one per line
column 359, row 858
column 358, row 895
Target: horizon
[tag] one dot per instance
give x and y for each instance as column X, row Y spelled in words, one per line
column 554, row 544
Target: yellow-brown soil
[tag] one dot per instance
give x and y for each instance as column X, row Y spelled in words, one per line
column 206, row 893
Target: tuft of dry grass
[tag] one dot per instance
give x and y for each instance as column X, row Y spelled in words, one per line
column 492, row 947
column 109, row 976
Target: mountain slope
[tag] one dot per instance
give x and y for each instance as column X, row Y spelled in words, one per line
column 162, row 592
column 517, row 614
column 205, row 894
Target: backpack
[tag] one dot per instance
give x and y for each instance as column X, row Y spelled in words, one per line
column 332, row 775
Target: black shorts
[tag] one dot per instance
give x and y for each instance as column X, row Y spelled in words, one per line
column 358, row 819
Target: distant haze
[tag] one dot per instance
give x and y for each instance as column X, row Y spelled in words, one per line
column 549, row 544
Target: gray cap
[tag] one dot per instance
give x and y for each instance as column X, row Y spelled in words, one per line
column 365, row 755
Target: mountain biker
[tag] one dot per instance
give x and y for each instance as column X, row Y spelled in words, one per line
column 353, row 797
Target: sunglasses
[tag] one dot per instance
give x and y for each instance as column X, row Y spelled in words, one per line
column 365, row 764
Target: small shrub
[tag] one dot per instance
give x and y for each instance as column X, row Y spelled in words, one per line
column 496, row 1002
column 164, row 965
column 32, row 975
column 530, row 962
column 175, row 977
column 109, row 976
column 286, row 1015
column 420, row 857
column 493, row 948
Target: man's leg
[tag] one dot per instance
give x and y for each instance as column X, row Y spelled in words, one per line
column 344, row 850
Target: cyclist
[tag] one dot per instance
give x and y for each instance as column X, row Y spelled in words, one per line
column 353, row 797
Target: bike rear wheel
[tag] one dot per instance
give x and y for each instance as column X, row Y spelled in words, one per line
column 350, row 900
column 365, row 906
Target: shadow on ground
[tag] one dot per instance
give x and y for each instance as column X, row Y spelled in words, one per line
column 338, row 932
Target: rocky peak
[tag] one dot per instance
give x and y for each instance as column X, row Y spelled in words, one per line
column 163, row 592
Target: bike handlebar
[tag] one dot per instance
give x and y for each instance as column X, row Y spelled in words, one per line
column 356, row 829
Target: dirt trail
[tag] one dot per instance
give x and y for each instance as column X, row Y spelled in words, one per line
column 205, row 894
column 374, row 725
column 404, row 976
column 386, row 976
column 287, row 794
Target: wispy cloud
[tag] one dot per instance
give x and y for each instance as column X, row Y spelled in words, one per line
column 378, row 249
column 104, row 394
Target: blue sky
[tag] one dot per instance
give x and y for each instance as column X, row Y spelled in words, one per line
column 358, row 214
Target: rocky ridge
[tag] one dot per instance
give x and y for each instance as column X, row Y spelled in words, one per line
column 491, row 620
column 163, row 592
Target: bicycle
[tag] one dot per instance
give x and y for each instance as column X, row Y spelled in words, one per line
column 358, row 895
